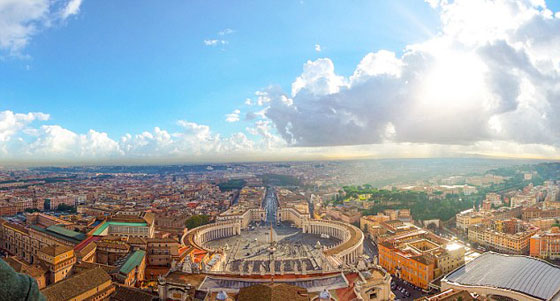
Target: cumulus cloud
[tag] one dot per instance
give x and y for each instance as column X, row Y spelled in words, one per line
column 11, row 123
column 54, row 141
column 21, row 19
column 318, row 78
column 488, row 84
column 492, row 74
column 233, row 116
column 26, row 138
column 268, row 140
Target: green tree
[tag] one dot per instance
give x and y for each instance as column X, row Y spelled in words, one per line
column 197, row 220
column 66, row 208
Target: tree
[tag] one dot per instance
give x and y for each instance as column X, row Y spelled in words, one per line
column 197, row 221
column 67, row 208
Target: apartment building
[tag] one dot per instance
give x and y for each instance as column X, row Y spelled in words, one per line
column 510, row 236
column 546, row 245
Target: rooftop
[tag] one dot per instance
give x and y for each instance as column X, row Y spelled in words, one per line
column 355, row 236
column 55, row 250
column 72, row 238
column 132, row 261
column 313, row 282
column 123, row 293
column 76, row 285
column 522, row 274
column 65, row 232
column 104, row 226
column 22, row 267
column 272, row 292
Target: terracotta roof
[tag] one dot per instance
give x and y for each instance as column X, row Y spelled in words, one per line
column 136, row 240
column 112, row 244
column 22, row 267
column 92, row 265
column 16, row 227
column 272, row 292
column 55, row 250
column 85, row 242
column 123, row 293
column 76, row 285
column 88, row 248
column 347, row 293
column 149, row 218
column 162, row 240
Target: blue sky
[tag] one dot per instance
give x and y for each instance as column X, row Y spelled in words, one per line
column 126, row 67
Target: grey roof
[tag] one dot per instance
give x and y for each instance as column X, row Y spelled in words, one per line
column 312, row 284
column 523, row 274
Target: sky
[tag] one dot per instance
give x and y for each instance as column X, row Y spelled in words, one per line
column 103, row 82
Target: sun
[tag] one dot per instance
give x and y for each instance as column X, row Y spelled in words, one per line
column 455, row 82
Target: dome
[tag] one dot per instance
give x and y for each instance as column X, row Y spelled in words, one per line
column 222, row 296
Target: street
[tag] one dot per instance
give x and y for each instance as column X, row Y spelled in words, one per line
column 370, row 248
column 412, row 290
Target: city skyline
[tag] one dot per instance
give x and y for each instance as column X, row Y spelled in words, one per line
column 87, row 82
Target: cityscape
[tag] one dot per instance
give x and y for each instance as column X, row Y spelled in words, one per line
column 208, row 150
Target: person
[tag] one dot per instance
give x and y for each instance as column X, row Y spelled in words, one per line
column 16, row 286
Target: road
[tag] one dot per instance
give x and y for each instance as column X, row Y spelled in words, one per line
column 414, row 292
column 370, row 248
column 270, row 204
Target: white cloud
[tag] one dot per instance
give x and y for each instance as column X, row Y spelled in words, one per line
column 492, row 74
column 488, row 84
column 318, row 78
column 378, row 63
column 20, row 20
column 54, row 142
column 219, row 41
column 317, row 47
column 72, row 8
column 268, row 141
column 226, row 32
column 233, row 116
column 215, row 42
column 11, row 123
column 23, row 138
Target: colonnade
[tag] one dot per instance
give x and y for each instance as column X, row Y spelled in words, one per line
column 353, row 255
column 336, row 232
column 215, row 234
column 199, row 236
column 351, row 246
